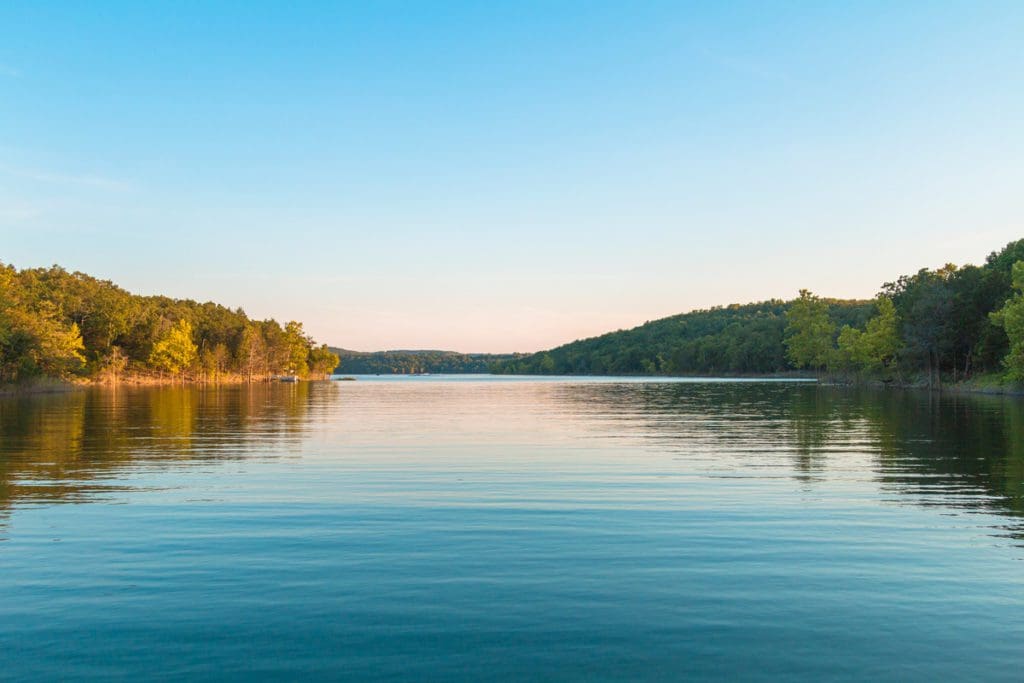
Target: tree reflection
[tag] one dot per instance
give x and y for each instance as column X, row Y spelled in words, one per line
column 962, row 451
column 956, row 451
column 72, row 447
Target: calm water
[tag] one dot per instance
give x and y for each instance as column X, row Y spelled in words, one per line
column 442, row 528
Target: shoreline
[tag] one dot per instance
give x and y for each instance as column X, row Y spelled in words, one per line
column 987, row 385
column 57, row 386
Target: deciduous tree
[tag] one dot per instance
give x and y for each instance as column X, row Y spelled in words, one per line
column 809, row 332
column 176, row 352
column 1011, row 318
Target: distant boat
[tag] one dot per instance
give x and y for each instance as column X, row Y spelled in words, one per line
column 287, row 378
column 344, row 379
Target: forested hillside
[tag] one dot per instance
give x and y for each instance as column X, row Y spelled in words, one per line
column 951, row 322
column 54, row 323
column 414, row 362
column 737, row 339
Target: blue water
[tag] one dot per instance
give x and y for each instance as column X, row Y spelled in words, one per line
column 462, row 528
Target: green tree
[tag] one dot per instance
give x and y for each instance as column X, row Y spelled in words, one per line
column 252, row 352
column 214, row 360
column 297, row 344
column 13, row 342
column 322, row 361
column 874, row 348
column 58, row 347
column 278, row 356
column 809, row 332
column 882, row 335
column 34, row 338
column 175, row 352
column 850, row 352
column 1011, row 318
column 547, row 364
column 924, row 302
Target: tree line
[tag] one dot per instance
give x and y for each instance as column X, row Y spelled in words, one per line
column 733, row 340
column 414, row 362
column 950, row 323
column 60, row 324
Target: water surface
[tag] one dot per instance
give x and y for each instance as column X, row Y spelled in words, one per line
column 506, row 528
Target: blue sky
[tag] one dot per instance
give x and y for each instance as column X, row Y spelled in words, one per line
column 496, row 176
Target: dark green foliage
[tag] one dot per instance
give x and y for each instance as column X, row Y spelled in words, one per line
column 414, row 362
column 1011, row 319
column 747, row 339
column 942, row 319
column 944, row 316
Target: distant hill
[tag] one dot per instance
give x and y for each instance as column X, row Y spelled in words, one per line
column 404, row 362
column 953, row 322
column 736, row 339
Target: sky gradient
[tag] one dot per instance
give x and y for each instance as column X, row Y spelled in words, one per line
column 506, row 176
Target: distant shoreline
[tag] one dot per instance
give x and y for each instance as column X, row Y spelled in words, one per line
column 986, row 385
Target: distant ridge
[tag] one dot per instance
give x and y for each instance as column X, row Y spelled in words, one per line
column 415, row 361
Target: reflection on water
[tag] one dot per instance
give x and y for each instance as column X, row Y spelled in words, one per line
column 963, row 451
column 468, row 528
column 72, row 447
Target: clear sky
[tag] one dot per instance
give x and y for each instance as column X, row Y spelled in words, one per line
column 499, row 176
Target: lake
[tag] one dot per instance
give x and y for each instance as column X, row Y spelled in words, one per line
column 446, row 528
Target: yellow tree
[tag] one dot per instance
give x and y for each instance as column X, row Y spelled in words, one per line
column 298, row 345
column 175, row 352
column 59, row 346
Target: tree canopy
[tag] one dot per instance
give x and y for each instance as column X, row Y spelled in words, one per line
column 414, row 362
column 1011, row 319
column 731, row 340
column 809, row 332
column 57, row 323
